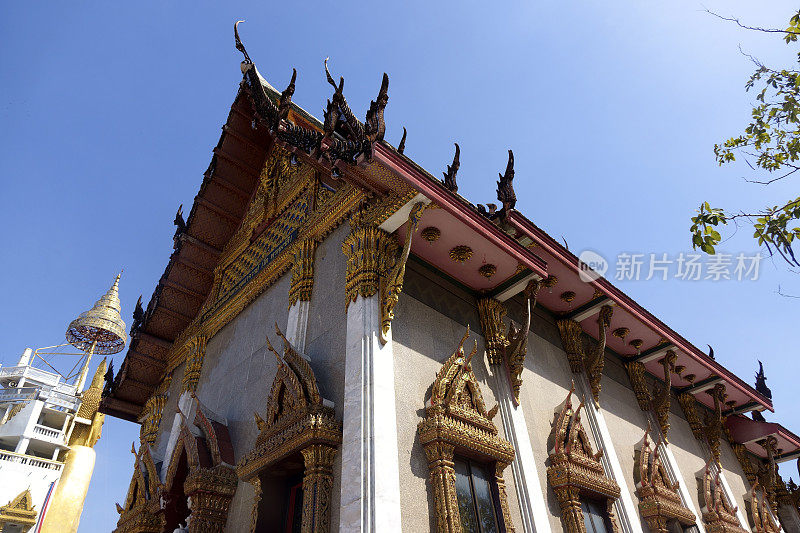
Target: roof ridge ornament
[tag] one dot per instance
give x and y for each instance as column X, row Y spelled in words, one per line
column 180, row 228
column 402, row 145
column 505, row 194
column 286, row 98
column 505, row 187
column 761, row 381
column 450, row 182
column 239, row 45
column 355, row 144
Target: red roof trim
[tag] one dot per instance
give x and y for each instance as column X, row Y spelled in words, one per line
column 449, row 202
column 745, row 429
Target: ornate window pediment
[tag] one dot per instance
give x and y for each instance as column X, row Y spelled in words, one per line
column 659, row 501
column 719, row 514
column 575, row 470
column 760, row 515
column 457, row 421
column 141, row 512
column 200, row 480
column 19, row 511
column 297, row 422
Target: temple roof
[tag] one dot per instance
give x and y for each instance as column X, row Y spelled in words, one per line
column 750, row 432
column 515, row 248
column 216, row 212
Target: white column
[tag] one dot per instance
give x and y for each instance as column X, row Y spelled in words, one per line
column 530, row 495
column 25, row 358
column 625, row 508
column 22, row 445
column 297, row 325
column 370, row 492
column 33, row 417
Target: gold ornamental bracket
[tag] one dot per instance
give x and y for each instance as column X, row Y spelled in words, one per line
column 689, row 406
column 153, row 411
column 714, row 422
column 768, row 470
column 582, row 359
column 516, row 350
column 659, row 500
column 491, row 313
column 510, row 348
column 659, row 399
column 302, row 282
column 392, row 284
column 373, row 264
column 575, row 469
column 456, row 421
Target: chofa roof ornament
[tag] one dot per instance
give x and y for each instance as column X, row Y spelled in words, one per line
column 343, row 138
column 505, row 193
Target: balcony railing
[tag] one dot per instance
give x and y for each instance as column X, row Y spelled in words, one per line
column 37, row 374
column 59, row 399
column 18, row 395
column 49, row 433
column 54, row 398
column 38, row 462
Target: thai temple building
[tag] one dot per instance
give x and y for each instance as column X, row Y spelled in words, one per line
column 340, row 342
column 49, row 424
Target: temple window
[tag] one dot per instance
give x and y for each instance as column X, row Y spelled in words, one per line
column 465, row 455
column 280, row 507
column 477, row 504
column 595, row 516
column 291, row 465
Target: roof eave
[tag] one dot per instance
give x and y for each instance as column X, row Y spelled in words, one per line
column 448, row 201
column 550, row 245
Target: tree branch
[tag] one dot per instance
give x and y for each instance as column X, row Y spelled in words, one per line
column 795, row 169
column 754, row 28
column 786, row 295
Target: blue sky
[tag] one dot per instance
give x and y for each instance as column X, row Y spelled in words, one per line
column 109, row 113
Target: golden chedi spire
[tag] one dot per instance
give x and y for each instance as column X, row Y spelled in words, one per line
column 101, row 328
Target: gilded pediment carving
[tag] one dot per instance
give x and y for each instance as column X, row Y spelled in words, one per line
column 297, row 421
column 142, row 512
column 457, row 421
column 575, row 469
column 719, row 513
column 19, row 511
column 659, row 500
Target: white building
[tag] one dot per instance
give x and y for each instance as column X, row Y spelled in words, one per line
column 38, row 413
